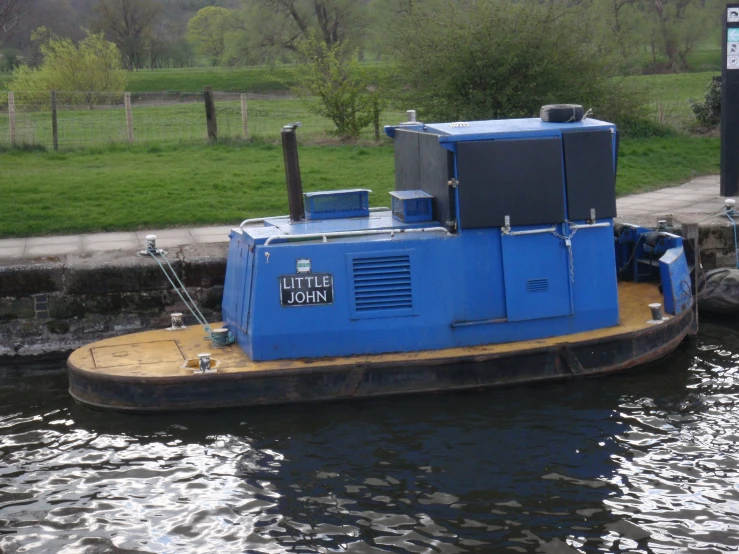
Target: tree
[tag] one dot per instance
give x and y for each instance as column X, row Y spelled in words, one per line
column 208, row 30
column 80, row 71
column 129, row 24
column 281, row 25
column 334, row 85
column 676, row 26
column 11, row 14
column 496, row 59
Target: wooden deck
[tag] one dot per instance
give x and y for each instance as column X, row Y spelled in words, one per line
column 164, row 353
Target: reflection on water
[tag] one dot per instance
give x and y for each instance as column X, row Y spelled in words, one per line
column 641, row 462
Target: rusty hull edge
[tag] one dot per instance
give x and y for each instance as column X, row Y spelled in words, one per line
column 361, row 380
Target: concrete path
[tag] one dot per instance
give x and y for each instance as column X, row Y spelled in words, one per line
column 108, row 242
column 691, row 202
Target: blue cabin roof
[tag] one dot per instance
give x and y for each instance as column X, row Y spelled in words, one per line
column 457, row 131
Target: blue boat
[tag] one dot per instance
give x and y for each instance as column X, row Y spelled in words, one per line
column 498, row 262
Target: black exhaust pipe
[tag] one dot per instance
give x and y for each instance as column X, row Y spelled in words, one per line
column 292, row 172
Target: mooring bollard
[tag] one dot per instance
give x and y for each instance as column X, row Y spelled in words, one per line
column 656, row 311
column 204, row 362
column 176, row 321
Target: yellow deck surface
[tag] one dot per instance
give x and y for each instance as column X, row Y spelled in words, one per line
column 164, row 353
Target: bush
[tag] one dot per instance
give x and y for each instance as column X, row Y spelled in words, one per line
column 335, row 86
column 80, row 71
column 497, row 59
column 9, row 60
column 708, row 112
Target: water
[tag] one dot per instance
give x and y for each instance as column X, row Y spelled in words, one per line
column 646, row 461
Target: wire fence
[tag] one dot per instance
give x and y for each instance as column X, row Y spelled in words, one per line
column 74, row 120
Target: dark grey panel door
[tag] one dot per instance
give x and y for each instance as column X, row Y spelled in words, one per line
column 422, row 164
column 589, row 174
column 407, row 176
column 436, row 168
column 519, row 178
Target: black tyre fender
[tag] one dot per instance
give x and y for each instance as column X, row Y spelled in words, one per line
column 561, row 113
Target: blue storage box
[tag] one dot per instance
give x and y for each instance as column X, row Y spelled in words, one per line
column 337, row 204
column 412, row 205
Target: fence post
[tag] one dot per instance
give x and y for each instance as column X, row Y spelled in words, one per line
column 129, row 115
column 54, row 129
column 244, row 118
column 210, row 114
column 11, row 116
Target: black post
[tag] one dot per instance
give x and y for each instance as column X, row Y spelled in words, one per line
column 292, row 172
column 54, row 127
column 210, row 113
column 691, row 233
column 730, row 102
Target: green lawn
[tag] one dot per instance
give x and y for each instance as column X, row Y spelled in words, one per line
column 258, row 80
column 669, row 95
column 651, row 163
column 261, row 80
column 130, row 188
column 707, row 57
column 126, row 188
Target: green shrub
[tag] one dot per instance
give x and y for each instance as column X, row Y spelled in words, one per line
column 708, row 112
column 498, row 59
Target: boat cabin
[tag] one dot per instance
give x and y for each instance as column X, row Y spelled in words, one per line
column 498, row 231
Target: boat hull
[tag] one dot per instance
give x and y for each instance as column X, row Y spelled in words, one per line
column 362, row 377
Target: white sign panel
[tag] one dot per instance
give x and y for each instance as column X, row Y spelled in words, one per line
column 732, row 49
column 732, row 15
column 732, row 62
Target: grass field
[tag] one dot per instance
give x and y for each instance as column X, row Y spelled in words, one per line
column 258, row 79
column 268, row 80
column 262, row 80
column 706, row 57
column 171, row 177
column 127, row 188
column 671, row 93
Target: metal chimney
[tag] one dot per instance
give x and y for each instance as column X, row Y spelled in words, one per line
column 292, row 172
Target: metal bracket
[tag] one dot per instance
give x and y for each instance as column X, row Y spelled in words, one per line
column 453, row 183
column 592, row 216
column 507, row 228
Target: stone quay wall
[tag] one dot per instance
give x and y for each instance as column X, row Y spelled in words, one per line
column 716, row 245
column 57, row 304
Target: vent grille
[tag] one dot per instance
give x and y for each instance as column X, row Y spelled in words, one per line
column 382, row 283
column 537, row 285
column 411, row 208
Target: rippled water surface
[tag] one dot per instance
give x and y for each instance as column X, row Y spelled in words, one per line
column 646, row 461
